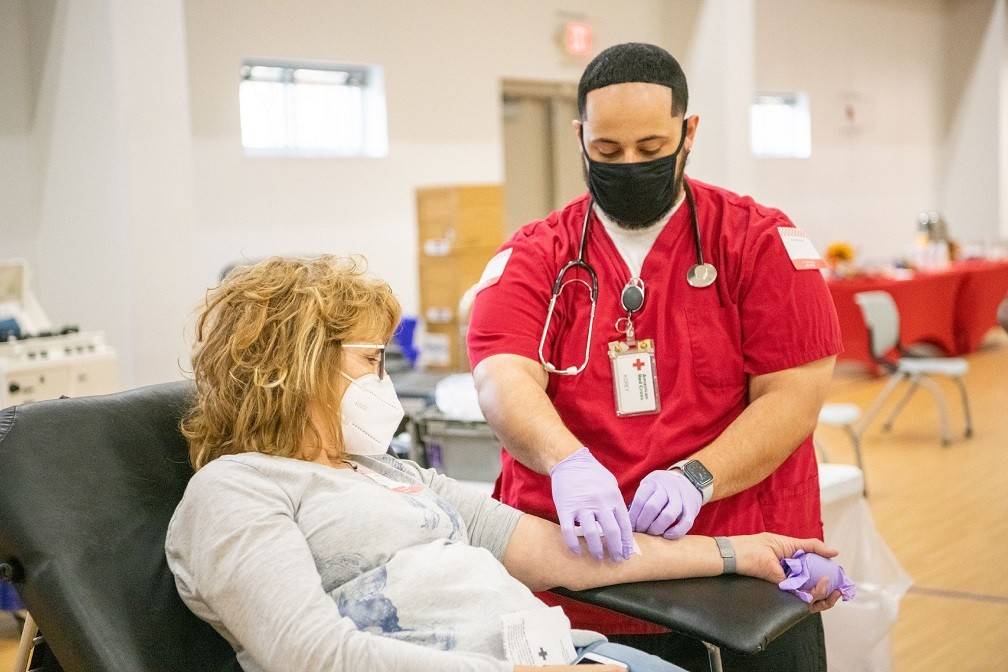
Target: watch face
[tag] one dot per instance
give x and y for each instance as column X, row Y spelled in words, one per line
column 698, row 474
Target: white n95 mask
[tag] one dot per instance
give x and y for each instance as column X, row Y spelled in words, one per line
column 370, row 413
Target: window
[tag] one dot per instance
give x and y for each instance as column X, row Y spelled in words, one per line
column 780, row 125
column 297, row 109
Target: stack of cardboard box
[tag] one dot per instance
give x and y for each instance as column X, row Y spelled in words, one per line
column 460, row 229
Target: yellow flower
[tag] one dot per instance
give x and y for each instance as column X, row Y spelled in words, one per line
column 840, row 251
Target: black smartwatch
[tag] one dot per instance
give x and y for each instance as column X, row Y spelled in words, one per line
column 697, row 474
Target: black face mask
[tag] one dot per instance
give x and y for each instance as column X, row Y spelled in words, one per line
column 634, row 194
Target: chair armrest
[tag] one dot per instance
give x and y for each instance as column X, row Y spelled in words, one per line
column 736, row 612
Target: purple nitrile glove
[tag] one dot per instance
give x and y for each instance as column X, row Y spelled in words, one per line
column 585, row 492
column 666, row 504
column 805, row 570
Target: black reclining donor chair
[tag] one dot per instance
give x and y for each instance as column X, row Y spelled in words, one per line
column 87, row 487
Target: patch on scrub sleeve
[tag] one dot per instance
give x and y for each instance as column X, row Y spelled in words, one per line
column 494, row 270
column 803, row 254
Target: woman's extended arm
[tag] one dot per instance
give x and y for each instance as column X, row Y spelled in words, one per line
column 537, row 556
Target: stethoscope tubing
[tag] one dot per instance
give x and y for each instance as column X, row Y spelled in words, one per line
column 582, row 262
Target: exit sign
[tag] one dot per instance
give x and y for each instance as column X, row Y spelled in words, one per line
column 578, row 38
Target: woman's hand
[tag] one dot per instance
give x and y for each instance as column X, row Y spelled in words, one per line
column 759, row 555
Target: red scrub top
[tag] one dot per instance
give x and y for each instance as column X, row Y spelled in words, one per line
column 761, row 315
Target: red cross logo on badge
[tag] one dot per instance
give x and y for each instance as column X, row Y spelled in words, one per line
column 638, row 365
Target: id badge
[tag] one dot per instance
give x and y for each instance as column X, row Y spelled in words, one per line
column 635, row 379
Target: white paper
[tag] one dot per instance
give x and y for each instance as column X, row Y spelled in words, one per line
column 439, row 315
column 538, row 637
column 437, row 247
column 435, row 349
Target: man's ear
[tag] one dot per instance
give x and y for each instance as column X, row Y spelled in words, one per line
column 691, row 128
column 578, row 127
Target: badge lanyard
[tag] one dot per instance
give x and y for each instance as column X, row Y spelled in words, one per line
column 635, row 376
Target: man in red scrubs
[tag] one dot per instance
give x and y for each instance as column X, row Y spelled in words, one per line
column 692, row 388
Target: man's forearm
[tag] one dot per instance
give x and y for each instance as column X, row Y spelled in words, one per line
column 782, row 413
column 754, row 445
column 517, row 408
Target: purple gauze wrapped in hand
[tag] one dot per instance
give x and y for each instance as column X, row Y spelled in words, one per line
column 804, row 571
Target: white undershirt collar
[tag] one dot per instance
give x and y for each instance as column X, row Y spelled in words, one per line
column 635, row 244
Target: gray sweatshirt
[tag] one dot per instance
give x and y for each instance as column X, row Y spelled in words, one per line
column 304, row 567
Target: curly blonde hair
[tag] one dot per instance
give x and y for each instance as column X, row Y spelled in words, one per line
column 268, row 344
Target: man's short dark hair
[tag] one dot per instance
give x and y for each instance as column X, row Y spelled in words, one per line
column 634, row 62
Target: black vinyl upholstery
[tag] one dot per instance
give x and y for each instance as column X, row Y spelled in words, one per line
column 735, row 612
column 87, row 487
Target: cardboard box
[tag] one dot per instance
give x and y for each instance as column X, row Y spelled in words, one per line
column 459, row 230
column 461, row 217
column 443, row 280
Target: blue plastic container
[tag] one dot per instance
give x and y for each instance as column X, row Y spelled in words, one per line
column 404, row 336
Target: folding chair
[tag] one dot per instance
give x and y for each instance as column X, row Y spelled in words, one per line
column 845, row 416
column 882, row 319
column 87, row 487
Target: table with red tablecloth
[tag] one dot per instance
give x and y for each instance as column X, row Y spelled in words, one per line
column 952, row 309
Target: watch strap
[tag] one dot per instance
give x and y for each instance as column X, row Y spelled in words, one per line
column 727, row 552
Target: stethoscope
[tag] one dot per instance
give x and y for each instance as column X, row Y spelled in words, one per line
column 701, row 274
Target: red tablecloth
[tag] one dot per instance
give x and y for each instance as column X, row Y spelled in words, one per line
column 952, row 309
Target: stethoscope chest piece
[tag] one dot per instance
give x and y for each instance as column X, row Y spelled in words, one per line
column 701, row 275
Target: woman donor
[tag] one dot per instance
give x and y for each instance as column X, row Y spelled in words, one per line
column 308, row 547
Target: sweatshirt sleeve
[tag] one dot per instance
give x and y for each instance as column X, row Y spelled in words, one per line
column 489, row 523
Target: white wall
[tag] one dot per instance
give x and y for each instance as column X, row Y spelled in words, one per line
column 719, row 67
column 865, row 181
column 156, row 145
column 443, row 64
column 18, row 197
column 974, row 188
column 111, row 138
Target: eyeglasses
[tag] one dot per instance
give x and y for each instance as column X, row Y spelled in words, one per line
column 380, row 347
